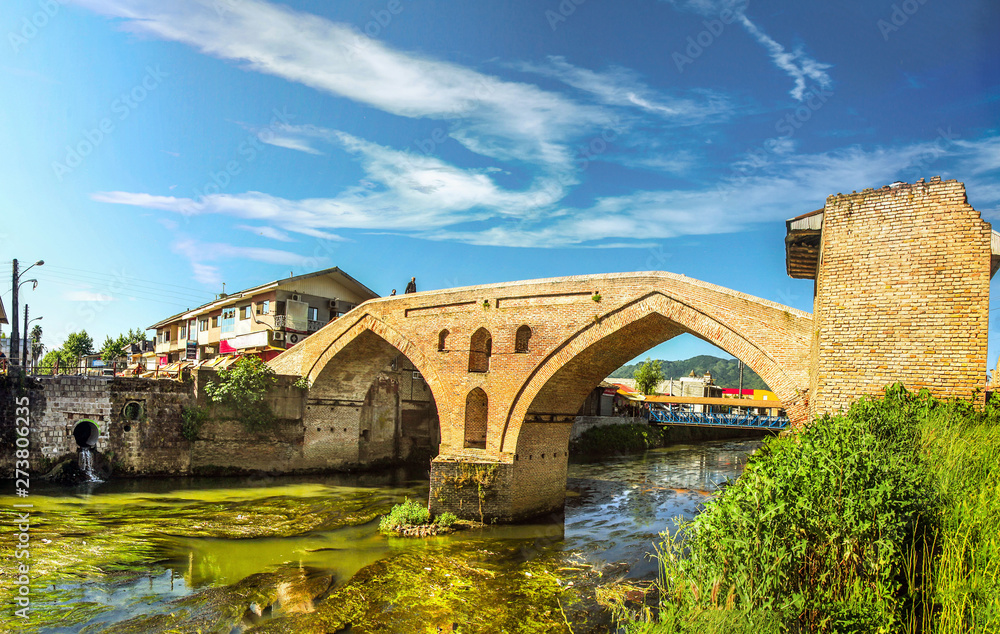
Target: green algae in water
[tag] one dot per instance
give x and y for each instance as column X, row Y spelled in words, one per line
column 82, row 547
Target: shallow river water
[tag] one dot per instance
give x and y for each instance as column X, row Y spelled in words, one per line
column 302, row 554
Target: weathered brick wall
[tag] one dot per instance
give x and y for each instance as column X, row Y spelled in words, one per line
column 902, row 294
column 140, row 426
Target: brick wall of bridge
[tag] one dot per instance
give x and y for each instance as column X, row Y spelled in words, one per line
column 902, row 294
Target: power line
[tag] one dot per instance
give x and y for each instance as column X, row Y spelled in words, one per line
column 154, row 282
column 138, row 295
column 52, row 275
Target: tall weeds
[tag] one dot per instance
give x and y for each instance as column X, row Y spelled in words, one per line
column 885, row 519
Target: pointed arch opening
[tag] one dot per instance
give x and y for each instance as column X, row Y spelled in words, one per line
column 561, row 383
column 521, row 339
column 477, row 407
column 480, row 351
column 443, row 340
column 370, row 402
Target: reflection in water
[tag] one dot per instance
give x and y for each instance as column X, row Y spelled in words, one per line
column 313, row 534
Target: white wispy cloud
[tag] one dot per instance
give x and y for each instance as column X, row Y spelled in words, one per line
column 490, row 115
column 424, row 197
column 199, row 254
column 404, row 192
column 618, row 86
column 796, row 63
column 785, row 186
column 267, row 232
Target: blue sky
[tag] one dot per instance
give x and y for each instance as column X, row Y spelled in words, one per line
column 158, row 149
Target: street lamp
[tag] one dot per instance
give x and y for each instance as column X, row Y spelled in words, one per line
column 24, row 348
column 15, row 285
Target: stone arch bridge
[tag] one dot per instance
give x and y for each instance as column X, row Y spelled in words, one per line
column 901, row 286
column 509, row 366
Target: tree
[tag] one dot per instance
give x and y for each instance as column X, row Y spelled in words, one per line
column 48, row 362
column 77, row 344
column 647, row 376
column 243, row 389
column 113, row 348
column 36, row 344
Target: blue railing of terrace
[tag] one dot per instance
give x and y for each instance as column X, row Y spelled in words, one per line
column 698, row 419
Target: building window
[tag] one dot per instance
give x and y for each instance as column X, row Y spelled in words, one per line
column 203, row 325
column 476, row 416
column 521, row 339
column 480, row 351
column 313, row 314
column 442, row 339
column 228, row 319
column 264, row 307
column 246, row 311
column 183, row 331
column 215, row 321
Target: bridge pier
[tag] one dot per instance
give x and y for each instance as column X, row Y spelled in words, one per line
column 505, row 487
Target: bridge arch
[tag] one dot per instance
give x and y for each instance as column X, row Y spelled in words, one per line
column 344, row 382
column 561, row 381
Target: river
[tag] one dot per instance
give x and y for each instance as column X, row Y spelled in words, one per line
column 302, row 554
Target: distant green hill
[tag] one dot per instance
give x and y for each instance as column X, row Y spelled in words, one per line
column 725, row 372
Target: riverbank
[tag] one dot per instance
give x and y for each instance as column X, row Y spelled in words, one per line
column 885, row 519
column 635, row 437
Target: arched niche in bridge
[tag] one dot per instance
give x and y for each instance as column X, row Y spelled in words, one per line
column 521, row 339
column 480, row 351
column 443, row 340
column 562, row 381
column 477, row 406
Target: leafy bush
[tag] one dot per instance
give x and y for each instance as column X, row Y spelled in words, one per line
column 612, row 439
column 192, row 418
column 243, row 388
column 446, row 519
column 409, row 513
column 302, row 383
column 838, row 528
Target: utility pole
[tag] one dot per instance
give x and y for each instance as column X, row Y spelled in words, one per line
column 740, row 395
column 24, row 345
column 14, row 343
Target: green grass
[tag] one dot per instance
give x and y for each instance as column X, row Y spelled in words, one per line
column 885, row 519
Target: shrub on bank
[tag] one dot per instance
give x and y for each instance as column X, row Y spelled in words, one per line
column 611, row 439
column 886, row 519
column 413, row 519
column 409, row 513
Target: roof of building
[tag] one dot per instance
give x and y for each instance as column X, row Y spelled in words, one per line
column 253, row 290
column 3, row 313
